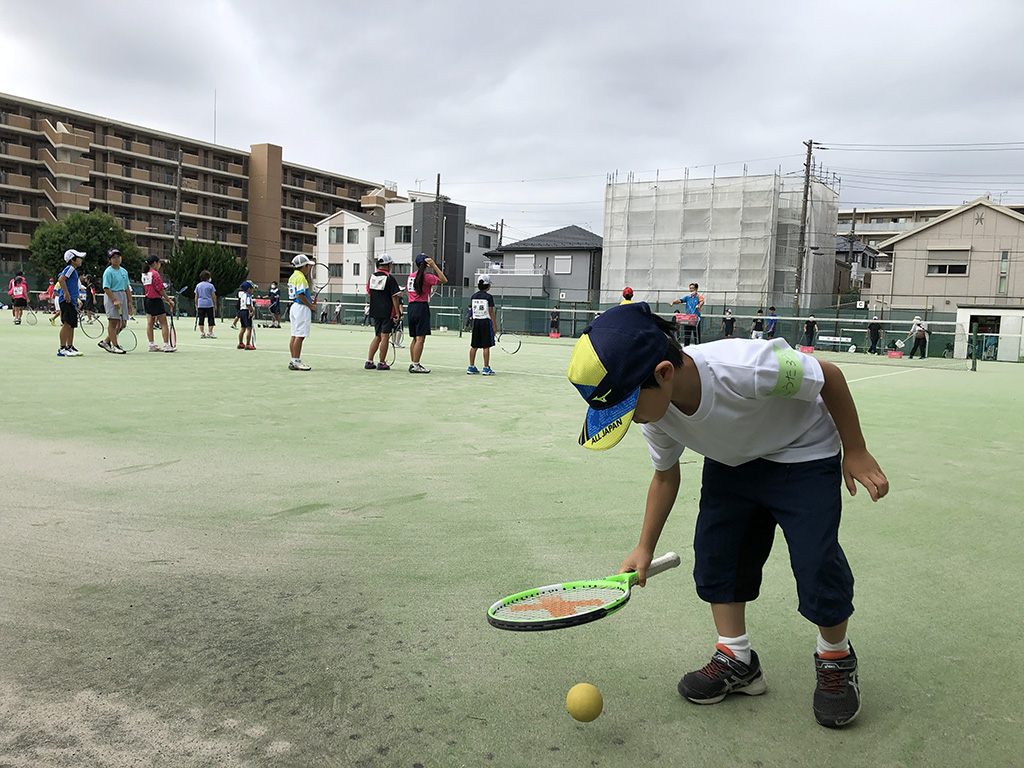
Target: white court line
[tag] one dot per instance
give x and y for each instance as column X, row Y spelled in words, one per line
column 882, row 375
column 396, row 367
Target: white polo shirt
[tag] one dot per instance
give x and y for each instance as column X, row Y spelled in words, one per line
column 759, row 400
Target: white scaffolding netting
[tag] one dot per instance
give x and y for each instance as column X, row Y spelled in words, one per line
column 737, row 236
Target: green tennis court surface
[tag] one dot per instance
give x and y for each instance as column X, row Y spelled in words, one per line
column 209, row 560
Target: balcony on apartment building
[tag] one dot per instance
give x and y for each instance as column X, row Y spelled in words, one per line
column 17, row 151
column 16, row 239
column 79, row 199
column 75, row 169
column 15, row 210
column 66, row 137
column 16, row 121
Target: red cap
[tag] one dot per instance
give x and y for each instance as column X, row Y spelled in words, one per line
column 627, row 291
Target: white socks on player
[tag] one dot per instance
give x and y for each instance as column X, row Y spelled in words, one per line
column 739, row 646
column 824, row 646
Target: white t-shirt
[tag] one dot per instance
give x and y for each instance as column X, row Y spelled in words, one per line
column 759, row 400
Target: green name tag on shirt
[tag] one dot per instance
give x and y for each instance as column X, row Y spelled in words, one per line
column 791, row 373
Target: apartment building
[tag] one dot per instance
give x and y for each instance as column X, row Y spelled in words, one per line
column 55, row 161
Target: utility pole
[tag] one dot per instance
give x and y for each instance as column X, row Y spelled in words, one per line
column 177, row 206
column 801, row 247
column 501, row 232
column 437, row 219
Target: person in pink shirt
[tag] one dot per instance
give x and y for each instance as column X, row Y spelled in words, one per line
column 18, row 291
column 419, row 286
column 156, row 295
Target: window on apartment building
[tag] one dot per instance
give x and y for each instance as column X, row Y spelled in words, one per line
column 484, row 241
column 563, row 265
column 403, row 234
column 1004, row 262
column 334, row 235
column 353, row 237
column 467, row 247
column 355, row 269
column 337, row 270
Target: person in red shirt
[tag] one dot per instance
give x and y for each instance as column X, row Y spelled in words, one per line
column 156, row 295
column 418, row 286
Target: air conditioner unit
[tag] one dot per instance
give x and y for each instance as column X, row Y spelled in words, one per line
column 561, row 295
column 862, row 305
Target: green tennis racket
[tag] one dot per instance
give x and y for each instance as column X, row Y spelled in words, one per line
column 568, row 605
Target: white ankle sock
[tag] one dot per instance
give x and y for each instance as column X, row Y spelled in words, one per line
column 824, row 646
column 740, row 647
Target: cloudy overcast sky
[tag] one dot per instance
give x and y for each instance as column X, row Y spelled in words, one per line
column 524, row 108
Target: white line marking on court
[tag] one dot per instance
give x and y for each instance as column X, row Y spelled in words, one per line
column 883, row 375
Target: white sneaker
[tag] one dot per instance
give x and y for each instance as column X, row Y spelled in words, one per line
column 168, row 348
column 154, row 348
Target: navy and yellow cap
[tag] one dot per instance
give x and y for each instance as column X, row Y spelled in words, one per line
column 617, row 353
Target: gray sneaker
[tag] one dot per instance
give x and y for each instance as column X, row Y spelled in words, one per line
column 837, row 692
column 104, row 345
column 417, row 368
column 721, row 676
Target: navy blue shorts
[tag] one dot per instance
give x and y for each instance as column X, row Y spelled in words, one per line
column 419, row 318
column 739, row 509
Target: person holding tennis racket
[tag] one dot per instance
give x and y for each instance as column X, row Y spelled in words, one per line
column 156, row 295
column 419, row 286
column 481, row 304
column 206, row 302
column 385, row 309
column 246, row 315
column 18, row 291
column 300, row 314
column 117, row 301
column 780, row 435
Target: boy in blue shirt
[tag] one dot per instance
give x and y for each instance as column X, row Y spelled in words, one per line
column 69, row 301
column 780, row 435
column 769, row 326
column 694, row 303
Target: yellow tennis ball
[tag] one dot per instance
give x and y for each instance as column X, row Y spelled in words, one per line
column 584, row 702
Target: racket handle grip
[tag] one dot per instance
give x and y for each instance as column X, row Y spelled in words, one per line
column 663, row 563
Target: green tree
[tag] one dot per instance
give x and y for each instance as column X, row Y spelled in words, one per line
column 94, row 233
column 226, row 271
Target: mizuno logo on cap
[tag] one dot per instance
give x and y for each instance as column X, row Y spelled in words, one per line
column 601, row 398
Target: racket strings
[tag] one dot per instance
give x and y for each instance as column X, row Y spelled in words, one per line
column 561, row 603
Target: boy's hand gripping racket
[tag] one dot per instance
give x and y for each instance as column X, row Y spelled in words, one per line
column 567, row 605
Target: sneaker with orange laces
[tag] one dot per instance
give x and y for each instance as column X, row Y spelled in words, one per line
column 250, row 346
column 837, row 692
column 721, row 676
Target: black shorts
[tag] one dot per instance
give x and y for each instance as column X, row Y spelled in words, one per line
column 245, row 319
column 275, row 308
column 739, row 509
column 20, row 302
column 483, row 335
column 154, row 307
column 383, row 325
column 419, row 318
column 205, row 315
column 69, row 314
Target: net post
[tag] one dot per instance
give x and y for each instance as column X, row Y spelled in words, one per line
column 974, row 347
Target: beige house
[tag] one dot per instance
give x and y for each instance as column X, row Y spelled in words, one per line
column 968, row 262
